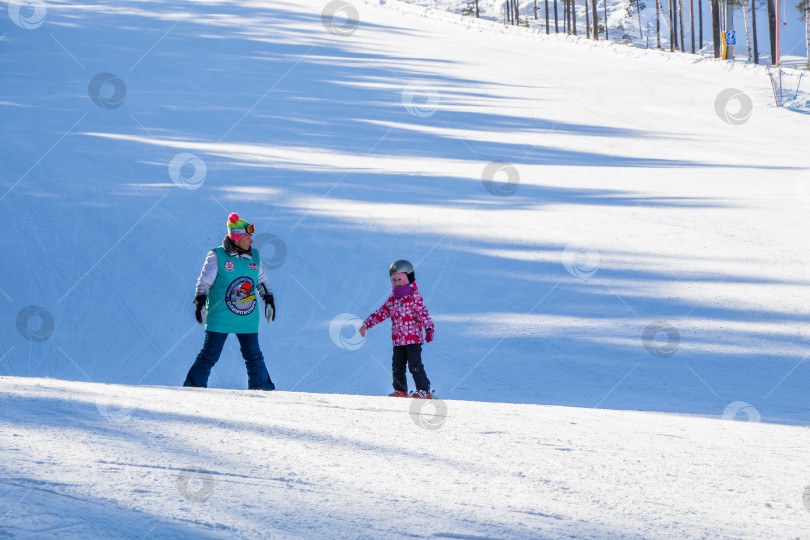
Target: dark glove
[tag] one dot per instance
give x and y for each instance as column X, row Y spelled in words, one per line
column 199, row 311
column 269, row 308
column 429, row 335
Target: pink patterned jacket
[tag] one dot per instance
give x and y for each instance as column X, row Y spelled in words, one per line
column 409, row 318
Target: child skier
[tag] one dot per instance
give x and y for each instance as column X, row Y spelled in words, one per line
column 409, row 318
column 230, row 281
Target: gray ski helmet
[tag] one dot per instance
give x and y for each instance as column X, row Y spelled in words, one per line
column 404, row 267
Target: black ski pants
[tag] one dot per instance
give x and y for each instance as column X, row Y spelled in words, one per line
column 410, row 356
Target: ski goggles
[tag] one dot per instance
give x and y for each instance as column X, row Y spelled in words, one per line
column 248, row 229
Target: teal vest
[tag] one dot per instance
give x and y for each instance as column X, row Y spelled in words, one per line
column 233, row 302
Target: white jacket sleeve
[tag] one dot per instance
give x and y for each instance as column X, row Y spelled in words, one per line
column 208, row 274
column 264, row 281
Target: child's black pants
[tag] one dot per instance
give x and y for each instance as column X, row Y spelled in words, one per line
column 410, row 356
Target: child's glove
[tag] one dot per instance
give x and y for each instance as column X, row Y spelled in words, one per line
column 363, row 329
column 200, row 312
column 429, row 335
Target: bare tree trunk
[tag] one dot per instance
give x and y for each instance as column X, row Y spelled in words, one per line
column 754, row 30
column 574, row 15
column 692, row 22
column 535, row 10
column 658, row 22
column 606, row 22
column 700, row 24
column 547, row 17
column 516, row 11
column 716, row 27
column 680, row 18
column 477, row 12
column 595, row 22
column 587, row 21
column 556, row 25
column 570, row 17
column 672, row 27
column 565, row 16
column 772, row 29
column 804, row 13
column 807, row 33
column 664, row 16
column 747, row 27
column 638, row 12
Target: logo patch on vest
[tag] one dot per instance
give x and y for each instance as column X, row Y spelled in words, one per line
column 228, row 266
column 253, row 266
column 241, row 296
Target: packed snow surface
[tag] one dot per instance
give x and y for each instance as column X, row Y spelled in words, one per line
column 85, row 460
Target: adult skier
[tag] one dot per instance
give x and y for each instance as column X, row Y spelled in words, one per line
column 226, row 302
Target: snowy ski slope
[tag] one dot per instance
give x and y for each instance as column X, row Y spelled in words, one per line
column 624, row 204
column 600, row 233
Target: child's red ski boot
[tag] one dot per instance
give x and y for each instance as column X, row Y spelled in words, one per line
column 398, row 393
column 421, row 394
